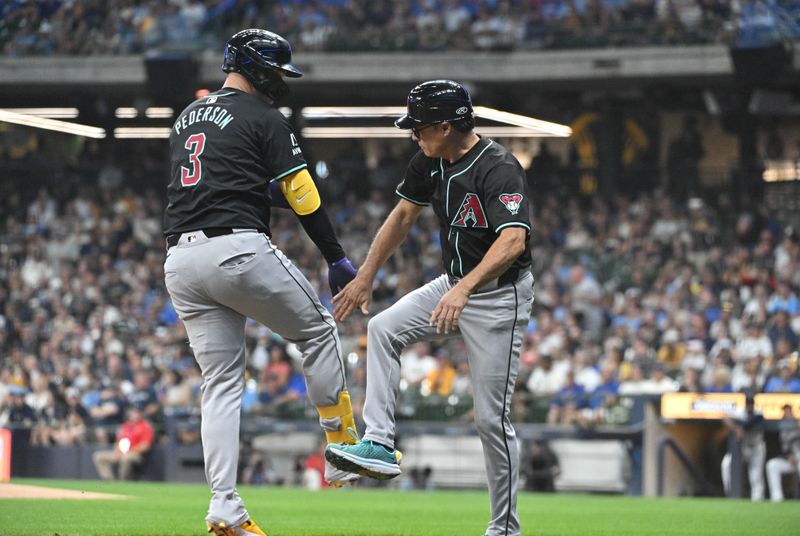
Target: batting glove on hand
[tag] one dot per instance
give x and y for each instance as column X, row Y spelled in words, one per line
column 340, row 273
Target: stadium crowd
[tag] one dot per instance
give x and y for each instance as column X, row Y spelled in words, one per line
column 633, row 296
column 65, row 27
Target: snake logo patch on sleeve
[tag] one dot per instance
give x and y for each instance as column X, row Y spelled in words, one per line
column 511, row 201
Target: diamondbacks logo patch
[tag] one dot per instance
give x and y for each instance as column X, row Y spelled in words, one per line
column 471, row 213
column 511, row 201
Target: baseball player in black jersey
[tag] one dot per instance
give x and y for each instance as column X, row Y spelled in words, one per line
column 477, row 191
column 221, row 268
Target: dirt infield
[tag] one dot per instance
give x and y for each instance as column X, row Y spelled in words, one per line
column 20, row 491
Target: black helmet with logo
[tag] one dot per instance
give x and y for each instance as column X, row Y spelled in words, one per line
column 259, row 56
column 436, row 101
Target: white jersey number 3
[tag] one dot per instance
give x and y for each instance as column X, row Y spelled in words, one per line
column 195, row 145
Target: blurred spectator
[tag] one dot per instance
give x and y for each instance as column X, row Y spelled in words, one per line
column 672, row 350
column 416, row 363
column 640, row 353
column 727, row 325
column 42, row 402
column 314, row 469
column 440, row 380
column 695, row 356
column 456, row 16
column 780, row 330
column 785, row 382
column 754, row 343
column 748, row 376
column 282, row 383
column 567, row 401
column 586, row 295
column 134, row 440
column 691, row 381
column 608, row 385
column 635, row 384
column 108, row 412
column 586, row 373
column 659, row 382
column 17, row 412
column 546, row 379
column 275, row 376
column 175, row 394
column 720, row 381
column 462, row 384
column 144, row 395
column 71, row 430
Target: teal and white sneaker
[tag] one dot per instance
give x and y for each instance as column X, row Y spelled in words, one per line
column 365, row 458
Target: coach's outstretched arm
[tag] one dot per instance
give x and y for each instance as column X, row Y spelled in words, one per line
column 299, row 192
column 358, row 293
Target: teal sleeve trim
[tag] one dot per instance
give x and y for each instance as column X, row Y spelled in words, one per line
column 513, row 224
column 420, row 203
column 289, row 172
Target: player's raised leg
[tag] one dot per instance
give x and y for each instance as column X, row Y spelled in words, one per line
column 493, row 325
column 389, row 332
column 287, row 303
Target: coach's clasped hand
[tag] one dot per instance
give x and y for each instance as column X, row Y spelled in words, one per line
column 340, row 273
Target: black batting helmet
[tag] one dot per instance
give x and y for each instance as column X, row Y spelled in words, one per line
column 436, row 101
column 258, row 55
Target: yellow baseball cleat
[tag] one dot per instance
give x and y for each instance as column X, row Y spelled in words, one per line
column 248, row 528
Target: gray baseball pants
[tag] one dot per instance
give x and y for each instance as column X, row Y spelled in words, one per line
column 215, row 284
column 776, row 468
column 492, row 325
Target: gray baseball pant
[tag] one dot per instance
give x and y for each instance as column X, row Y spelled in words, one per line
column 215, row 284
column 492, row 325
column 776, row 468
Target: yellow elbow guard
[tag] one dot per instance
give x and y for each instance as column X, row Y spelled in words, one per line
column 301, row 192
column 335, row 420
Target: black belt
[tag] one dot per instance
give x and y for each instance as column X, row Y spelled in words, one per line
column 210, row 232
column 509, row 277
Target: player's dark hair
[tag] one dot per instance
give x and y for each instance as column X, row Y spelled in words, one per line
column 463, row 125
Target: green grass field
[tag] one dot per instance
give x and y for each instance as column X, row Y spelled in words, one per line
column 178, row 509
